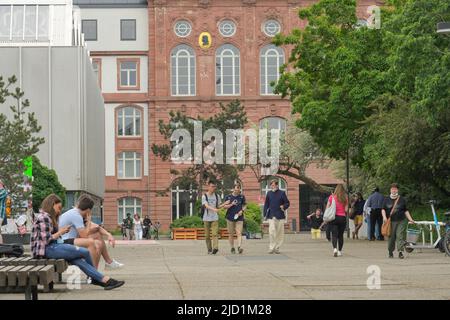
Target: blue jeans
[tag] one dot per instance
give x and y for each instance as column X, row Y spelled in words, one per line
column 377, row 234
column 74, row 255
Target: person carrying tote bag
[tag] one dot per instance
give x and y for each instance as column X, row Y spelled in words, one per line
column 394, row 225
column 335, row 216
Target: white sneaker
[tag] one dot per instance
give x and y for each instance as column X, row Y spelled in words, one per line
column 114, row 265
column 339, row 254
column 270, row 251
column 335, row 252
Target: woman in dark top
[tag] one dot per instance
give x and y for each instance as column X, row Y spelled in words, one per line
column 399, row 220
column 358, row 210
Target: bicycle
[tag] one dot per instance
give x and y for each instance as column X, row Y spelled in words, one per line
column 441, row 243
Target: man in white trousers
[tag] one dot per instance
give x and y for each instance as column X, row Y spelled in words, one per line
column 274, row 210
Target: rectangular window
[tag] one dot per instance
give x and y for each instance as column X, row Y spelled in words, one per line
column 127, row 29
column 128, row 74
column 129, row 165
column 89, row 29
column 24, row 23
column 97, row 66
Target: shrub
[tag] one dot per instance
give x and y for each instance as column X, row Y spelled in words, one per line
column 253, row 212
column 187, row 222
column 252, row 226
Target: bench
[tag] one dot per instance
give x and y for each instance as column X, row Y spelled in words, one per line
column 26, row 278
column 196, row 233
column 59, row 266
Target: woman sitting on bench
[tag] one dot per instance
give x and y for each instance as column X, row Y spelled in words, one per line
column 46, row 242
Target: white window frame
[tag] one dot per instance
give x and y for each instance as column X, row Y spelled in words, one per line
column 37, row 36
column 128, row 71
column 177, row 192
column 121, row 204
column 279, row 119
column 137, row 163
column 227, row 21
column 175, row 28
column 230, row 53
column 191, row 59
column 267, row 52
column 264, row 25
column 121, row 117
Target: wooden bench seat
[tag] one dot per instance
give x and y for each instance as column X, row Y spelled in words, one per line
column 19, row 278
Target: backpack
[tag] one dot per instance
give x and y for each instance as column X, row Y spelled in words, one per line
column 11, row 250
column 203, row 209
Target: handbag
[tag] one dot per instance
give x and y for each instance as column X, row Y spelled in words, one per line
column 386, row 227
column 330, row 213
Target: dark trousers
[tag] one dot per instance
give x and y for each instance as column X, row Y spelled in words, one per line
column 328, row 231
column 337, row 231
column 376, row 220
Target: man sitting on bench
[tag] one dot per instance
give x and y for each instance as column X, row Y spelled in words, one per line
column 85, row 233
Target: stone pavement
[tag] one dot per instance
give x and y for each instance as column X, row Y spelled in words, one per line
column 306, row 269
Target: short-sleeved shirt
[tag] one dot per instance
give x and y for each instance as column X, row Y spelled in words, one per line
column 359, row 207
column 316, row 222
column 74, row 218
column 210, row 215
column 399, row 212
column 240, row 199
column 340, row 207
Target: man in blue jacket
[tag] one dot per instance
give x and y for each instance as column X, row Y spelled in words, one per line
column 274, row 210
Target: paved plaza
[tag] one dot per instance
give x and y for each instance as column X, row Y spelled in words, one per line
column 306, row 269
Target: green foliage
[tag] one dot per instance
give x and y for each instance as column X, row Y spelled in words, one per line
column 231, row 116
column 383, row 94
column 45, row 183
column 187, row 222
column 252, row 226
column 253, row 212
column 18, row 139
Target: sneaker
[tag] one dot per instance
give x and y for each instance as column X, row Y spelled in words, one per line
column 339, row 253
column 391, row 255
column 215, row 251
column 98, row 283
column 113, row 284
column 277, row 251
column 233, row 251
column 240, row 250
column 114, row 265
column 209, row 251
column 335, row 252
column 89, row 280
column 400, row 255
column 271, row 251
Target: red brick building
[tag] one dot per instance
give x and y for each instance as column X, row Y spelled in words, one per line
column 238, row 62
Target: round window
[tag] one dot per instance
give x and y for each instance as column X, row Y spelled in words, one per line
column 271, row 28
column 183, row 28
column 227, row 28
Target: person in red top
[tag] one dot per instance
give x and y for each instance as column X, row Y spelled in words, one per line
column 340, row 222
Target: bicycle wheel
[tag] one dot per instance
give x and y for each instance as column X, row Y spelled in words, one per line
column 447, row 243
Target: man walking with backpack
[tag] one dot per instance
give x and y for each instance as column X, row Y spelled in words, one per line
column 210, row 209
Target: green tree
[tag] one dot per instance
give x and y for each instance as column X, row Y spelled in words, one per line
column 334, row 71
column 45, row 183
column 18, row 139
column 231, row 116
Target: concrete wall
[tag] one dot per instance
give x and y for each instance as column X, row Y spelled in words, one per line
column 62, row 89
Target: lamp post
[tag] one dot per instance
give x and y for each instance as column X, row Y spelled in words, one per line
column 347, row 169
column 443, row 27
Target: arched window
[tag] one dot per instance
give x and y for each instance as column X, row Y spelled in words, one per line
column 273, row 123
column 271, row 59
column 128, row 205
column 129, row 165
column 183, row 71
column 129, row 122
column 227, row 70
column 184, row 196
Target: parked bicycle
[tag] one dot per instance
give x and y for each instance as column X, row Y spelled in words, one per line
column 442, row 242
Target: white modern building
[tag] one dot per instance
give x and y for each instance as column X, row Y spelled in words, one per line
column 41, row 44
